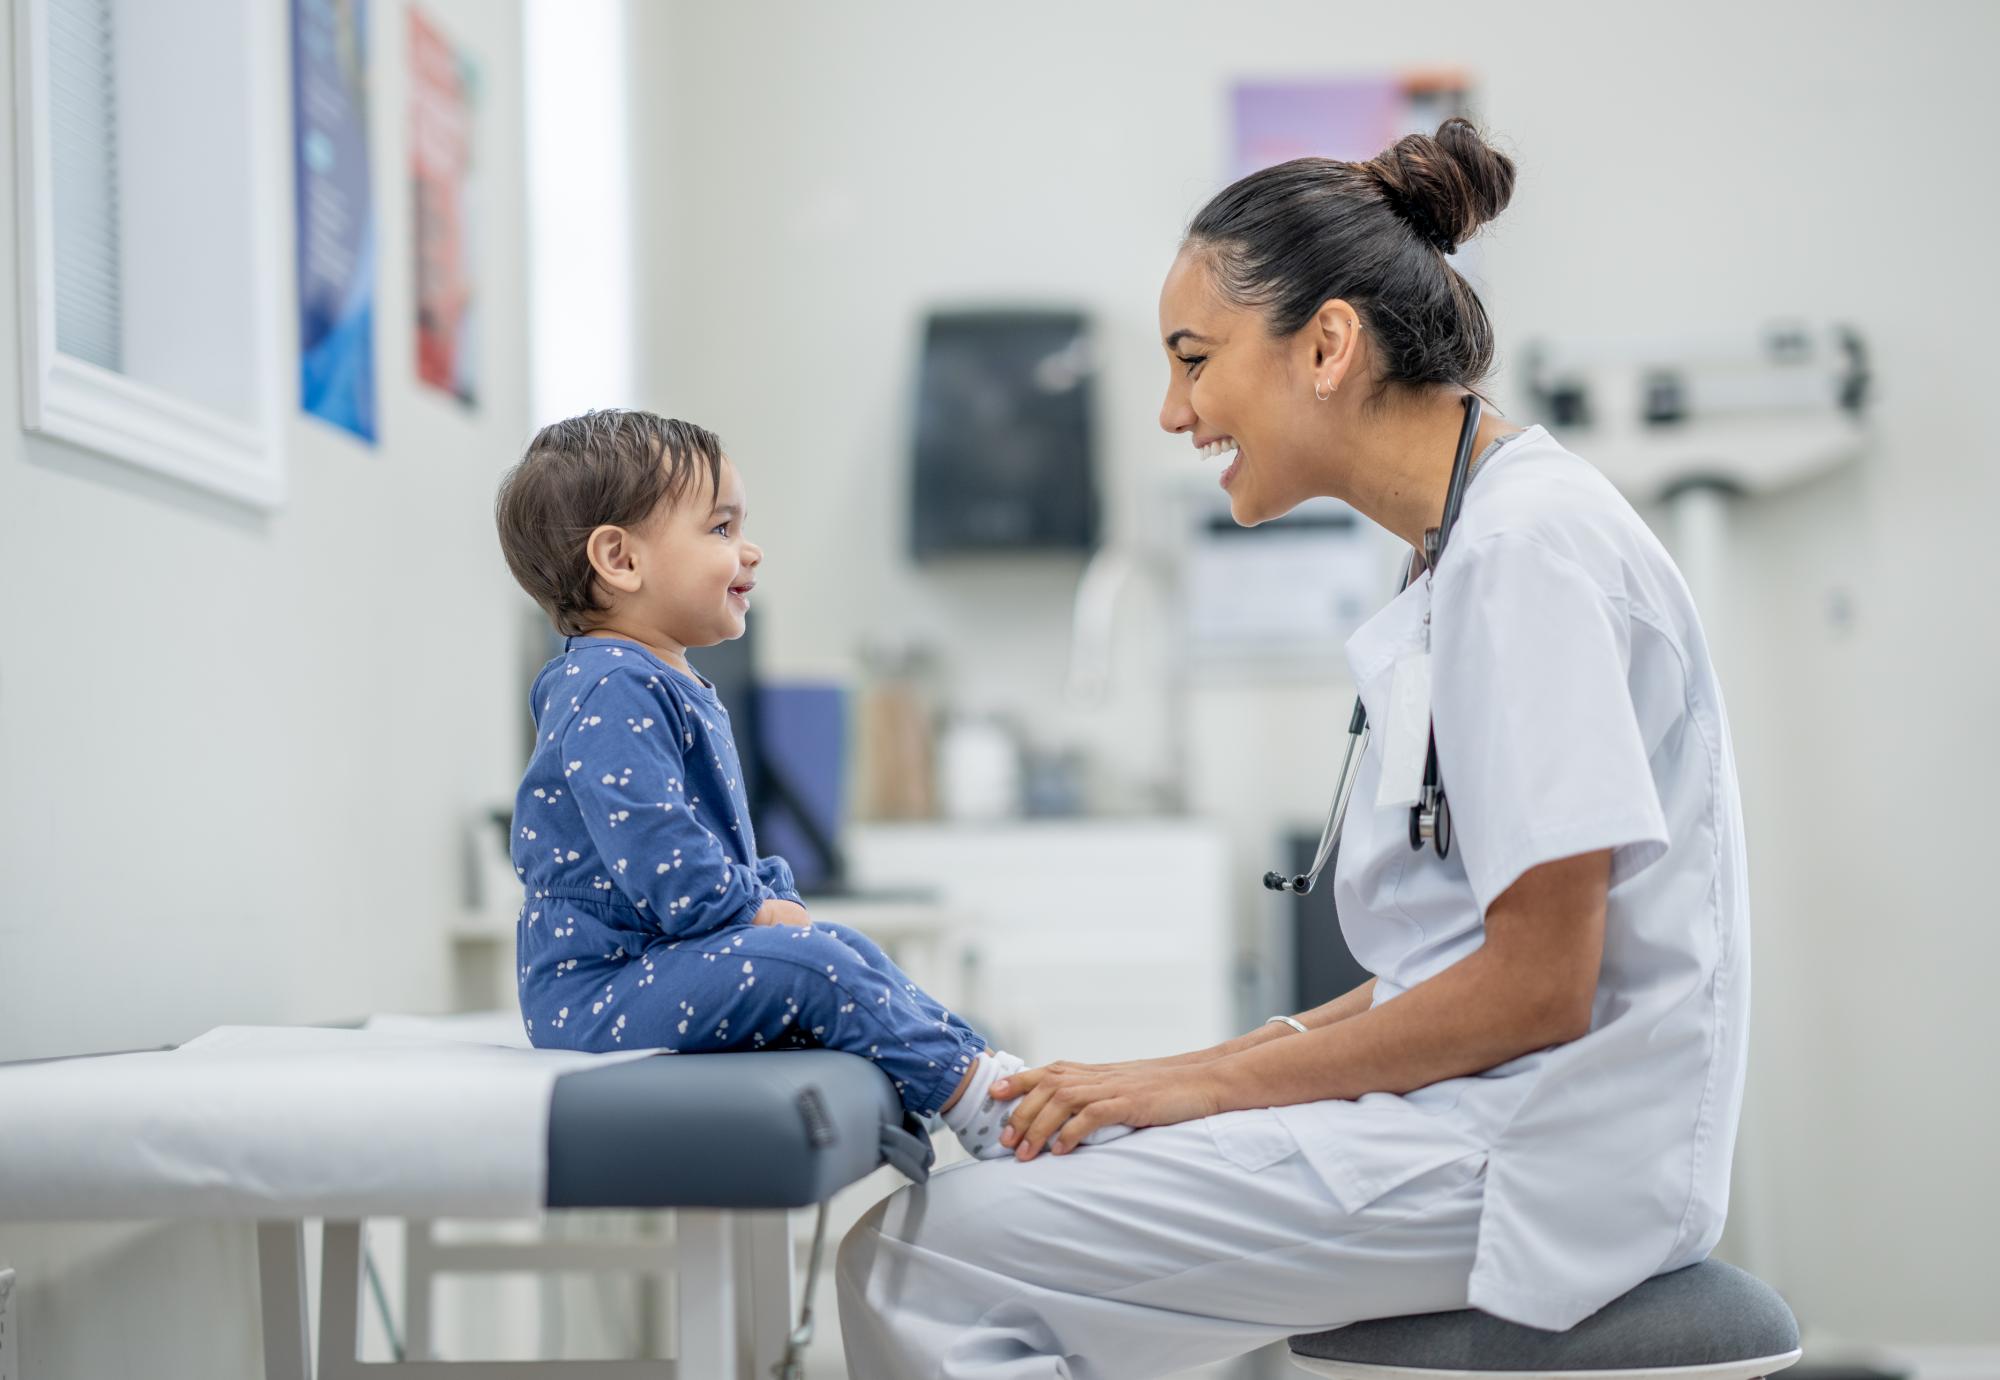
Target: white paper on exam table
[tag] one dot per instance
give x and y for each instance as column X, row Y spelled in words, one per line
column 478, row 1027
column 284, row 1121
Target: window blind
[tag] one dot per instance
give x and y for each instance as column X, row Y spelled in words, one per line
column 83, row 146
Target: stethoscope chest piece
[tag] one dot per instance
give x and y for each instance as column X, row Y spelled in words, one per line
column 1430, row 822
column 1430, row 817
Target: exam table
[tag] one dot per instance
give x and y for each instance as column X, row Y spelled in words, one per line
column 427, row 1118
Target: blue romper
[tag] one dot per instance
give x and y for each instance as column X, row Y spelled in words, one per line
column 632, row 838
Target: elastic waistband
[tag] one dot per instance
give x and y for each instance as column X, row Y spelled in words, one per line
column 611, row 907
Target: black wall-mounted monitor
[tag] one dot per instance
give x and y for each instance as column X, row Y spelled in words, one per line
column 1004, row 447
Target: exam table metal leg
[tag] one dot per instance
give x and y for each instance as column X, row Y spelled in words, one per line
column 711, row 1246
column 766, row 1239
column 340, row 1267
column 707, row 1320
column 419, row 1280
column 281, row 1283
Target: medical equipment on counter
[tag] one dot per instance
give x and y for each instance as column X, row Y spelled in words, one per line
column 979, row 769
column 1430, row 817
column 1315, row 573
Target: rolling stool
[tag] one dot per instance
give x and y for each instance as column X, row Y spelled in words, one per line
column 1707, row 1322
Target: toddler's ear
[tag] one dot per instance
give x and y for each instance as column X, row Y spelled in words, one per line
column 614, row 558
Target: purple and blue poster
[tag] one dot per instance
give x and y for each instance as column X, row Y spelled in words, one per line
column 336, row 213
column 1349, row 118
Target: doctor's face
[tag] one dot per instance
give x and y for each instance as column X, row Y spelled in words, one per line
column 1242, row 397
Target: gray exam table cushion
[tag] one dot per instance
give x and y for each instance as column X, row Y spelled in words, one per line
column 758, row 1129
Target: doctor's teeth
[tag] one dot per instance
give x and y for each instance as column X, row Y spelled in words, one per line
column 1217, row 448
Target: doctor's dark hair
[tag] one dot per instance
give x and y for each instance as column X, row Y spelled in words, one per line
column 1288, row 238
column 611, row 467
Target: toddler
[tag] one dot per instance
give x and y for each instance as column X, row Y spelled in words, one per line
column 650, row 920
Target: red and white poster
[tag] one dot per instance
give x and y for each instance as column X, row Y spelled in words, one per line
column 444, row 84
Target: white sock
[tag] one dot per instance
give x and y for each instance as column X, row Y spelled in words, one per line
column 977, row 1120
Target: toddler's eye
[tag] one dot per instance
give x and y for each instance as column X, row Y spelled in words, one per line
column 721, row 527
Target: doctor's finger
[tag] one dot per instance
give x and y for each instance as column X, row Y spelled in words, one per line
column 1107, row 1112
column 1055, row 1113
column 1026, row 1109
column 1015, row 1084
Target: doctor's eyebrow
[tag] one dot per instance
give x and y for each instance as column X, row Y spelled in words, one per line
column 1174, row 340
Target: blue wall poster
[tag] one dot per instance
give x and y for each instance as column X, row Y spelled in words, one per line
column 336, row 213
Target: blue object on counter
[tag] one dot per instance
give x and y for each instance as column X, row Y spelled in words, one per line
column 802, row 730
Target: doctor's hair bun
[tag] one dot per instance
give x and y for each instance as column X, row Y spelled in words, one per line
column 1445, row 185
column 1288, row 239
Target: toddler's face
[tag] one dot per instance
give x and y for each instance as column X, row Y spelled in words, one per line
column 697, row 566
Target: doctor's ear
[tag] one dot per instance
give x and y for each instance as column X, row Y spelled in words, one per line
column 1335, row 335
column 614, row 557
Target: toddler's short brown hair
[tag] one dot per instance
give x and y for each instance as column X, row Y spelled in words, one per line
column 611, row 467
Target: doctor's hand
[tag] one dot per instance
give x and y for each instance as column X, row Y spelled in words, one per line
column 1061, row 1103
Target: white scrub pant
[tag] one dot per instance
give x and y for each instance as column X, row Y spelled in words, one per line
column 1171, row 1248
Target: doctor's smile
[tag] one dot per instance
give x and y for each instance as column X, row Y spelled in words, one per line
column 1224, row 448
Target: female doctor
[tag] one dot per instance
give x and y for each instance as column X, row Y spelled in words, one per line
column 1530, row 1108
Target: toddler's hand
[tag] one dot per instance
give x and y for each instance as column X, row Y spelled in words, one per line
column 775, row 912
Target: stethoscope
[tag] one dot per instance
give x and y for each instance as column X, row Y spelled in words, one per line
column 1430, row 817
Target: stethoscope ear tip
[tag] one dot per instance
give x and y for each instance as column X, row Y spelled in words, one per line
column 1298, row 885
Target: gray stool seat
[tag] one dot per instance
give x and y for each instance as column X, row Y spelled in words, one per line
column 1709, row 1321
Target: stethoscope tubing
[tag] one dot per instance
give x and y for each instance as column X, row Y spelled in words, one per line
column 1357, row 725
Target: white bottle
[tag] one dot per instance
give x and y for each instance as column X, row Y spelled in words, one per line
column 979, row 769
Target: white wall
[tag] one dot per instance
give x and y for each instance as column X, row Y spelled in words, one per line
column 580, row 227
column 238, row 750
column 810, row 183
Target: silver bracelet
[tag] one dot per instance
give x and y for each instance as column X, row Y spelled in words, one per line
column 1287, row 1020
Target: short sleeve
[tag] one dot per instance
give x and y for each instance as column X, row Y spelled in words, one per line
column 1539, row 744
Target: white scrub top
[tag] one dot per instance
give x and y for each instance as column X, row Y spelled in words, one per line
column 1576, row 710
